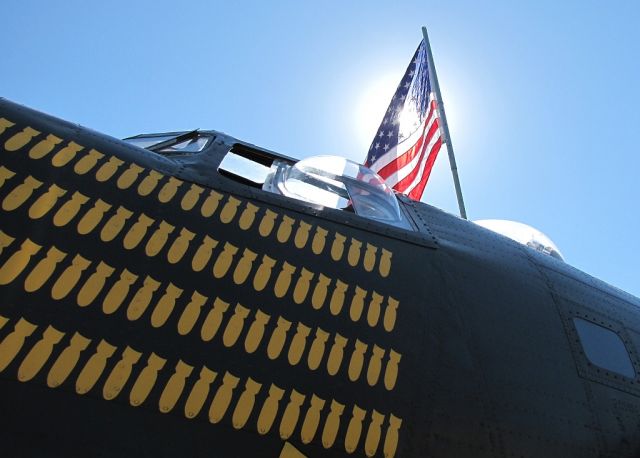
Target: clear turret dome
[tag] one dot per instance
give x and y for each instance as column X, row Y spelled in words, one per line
column 523, row 234
column 339, row 183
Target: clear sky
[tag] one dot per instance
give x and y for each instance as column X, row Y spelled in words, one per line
column 542, row 96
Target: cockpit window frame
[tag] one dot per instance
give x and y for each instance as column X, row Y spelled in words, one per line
column 171, row 135
column 274, row 172
column 416, row 235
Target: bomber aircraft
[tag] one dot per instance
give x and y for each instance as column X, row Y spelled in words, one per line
column 190, row 294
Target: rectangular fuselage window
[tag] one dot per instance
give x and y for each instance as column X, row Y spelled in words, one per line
column 604, row 348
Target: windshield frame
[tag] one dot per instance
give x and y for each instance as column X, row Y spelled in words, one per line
column 168, row 140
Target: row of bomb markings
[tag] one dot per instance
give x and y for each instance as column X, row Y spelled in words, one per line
column 301, row 413
column 245, row 259
column 212, row 201
column 237, row 318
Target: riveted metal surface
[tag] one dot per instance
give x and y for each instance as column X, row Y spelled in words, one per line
column 586, row 368
column 145, row 293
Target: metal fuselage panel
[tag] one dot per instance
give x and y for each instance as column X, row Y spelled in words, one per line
column 150, row 306
column 540, row 394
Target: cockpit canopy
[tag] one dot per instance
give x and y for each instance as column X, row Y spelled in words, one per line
column 339, row 183
column 326, row 181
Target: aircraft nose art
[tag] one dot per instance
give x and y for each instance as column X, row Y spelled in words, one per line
column 143, row 301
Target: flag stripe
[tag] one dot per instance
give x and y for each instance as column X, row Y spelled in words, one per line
column 405, row 176
column 401, row 160
column 417, row 188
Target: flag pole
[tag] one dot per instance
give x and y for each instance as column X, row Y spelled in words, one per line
column 445, row 126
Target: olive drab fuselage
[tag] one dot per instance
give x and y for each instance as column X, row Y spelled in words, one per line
column 151, row 306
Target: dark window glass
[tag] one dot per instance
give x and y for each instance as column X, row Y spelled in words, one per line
column 604, row 348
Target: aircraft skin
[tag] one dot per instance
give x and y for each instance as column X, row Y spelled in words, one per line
column 150, row 306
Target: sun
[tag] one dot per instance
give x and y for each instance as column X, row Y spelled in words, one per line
column 371, row 106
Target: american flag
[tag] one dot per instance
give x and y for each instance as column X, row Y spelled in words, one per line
column 409, row 138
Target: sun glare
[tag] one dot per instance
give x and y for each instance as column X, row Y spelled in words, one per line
column 375, row 98
column 371, row 106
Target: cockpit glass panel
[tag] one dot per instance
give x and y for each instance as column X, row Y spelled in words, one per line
column 245, row 168
column 145, row 142
column 314, row 184
column 191, row 145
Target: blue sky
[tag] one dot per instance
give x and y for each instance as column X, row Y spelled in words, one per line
column 542, row 97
